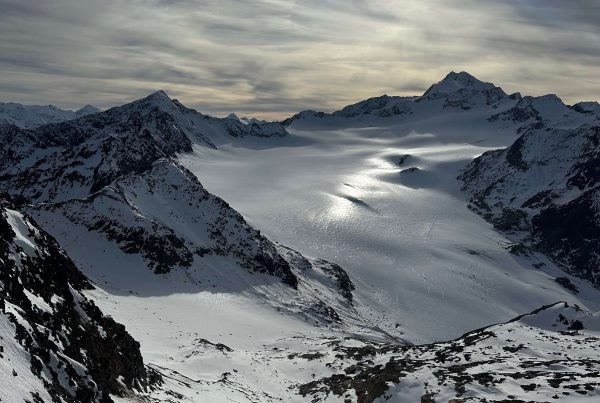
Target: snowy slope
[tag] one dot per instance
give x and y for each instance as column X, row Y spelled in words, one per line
column 28, row 116
column 55, row 344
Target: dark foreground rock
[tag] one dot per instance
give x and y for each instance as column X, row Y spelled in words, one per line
column 78, row 353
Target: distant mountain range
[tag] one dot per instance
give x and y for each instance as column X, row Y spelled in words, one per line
column 27, row 116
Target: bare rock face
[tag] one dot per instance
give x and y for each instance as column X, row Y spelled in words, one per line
column 76, row 352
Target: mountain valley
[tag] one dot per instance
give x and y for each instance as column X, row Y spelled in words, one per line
column 440, row 247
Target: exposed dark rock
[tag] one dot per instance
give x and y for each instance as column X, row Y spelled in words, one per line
column 368, row 385
column 402, row 159
column 510, row 220
column 342, row 279
column 514, row 154
column 571, row 233
column 540, row 199
column 410, row 170
column 519, row 249
column 75, row 327
column 219, row 346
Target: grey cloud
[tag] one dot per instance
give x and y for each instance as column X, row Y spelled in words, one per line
column 578, row 15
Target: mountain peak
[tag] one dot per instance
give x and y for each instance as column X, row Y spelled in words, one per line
column 87, row 110
column 159, row 95
column 462, row 77
column 454, row 82
column 158, row 99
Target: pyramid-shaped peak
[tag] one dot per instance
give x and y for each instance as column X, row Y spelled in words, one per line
column 454, row 82
column 158, row 99
column 160, row 94
column 465, row 80
column 462, row 77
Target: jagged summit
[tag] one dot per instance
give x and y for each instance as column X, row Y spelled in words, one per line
column 546, row 108
column 590, row 107
column 208, row 129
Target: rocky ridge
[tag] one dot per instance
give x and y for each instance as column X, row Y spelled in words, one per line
column 55, row 344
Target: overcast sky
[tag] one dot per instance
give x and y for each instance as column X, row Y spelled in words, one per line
column 272, row 58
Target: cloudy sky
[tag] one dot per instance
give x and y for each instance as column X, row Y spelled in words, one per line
column 272, row 58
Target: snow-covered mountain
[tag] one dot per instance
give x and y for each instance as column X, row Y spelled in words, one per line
column 28, row 116
column 456, row 90
column 383, row 260
column 55, row 344
column 113, row 177
column 544, row 187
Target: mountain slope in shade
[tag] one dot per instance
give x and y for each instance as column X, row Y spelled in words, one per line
column 28, row 116
column 56, row 345
column 544, row 188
